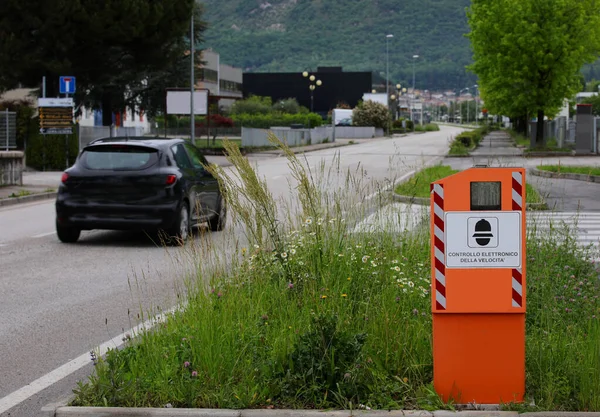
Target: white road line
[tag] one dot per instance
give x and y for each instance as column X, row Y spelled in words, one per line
column 15, row 398
column 43, row 235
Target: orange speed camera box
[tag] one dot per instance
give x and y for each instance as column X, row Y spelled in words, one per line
column 478, row 285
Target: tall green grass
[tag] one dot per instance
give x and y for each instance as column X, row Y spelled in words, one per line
column 313, row 313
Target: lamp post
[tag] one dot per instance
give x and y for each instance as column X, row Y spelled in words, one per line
column 415, row 57
column 313, row 84
column 461, row 103
column 387, row 70
column 476, row 87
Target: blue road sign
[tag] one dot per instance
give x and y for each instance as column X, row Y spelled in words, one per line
column 67, row 85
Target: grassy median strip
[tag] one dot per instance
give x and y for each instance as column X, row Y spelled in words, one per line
column 570, row 169
column 419, row 184
column 311, row 315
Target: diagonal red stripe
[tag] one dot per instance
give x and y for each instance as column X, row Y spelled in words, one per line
column 517, row 276
column 440, row 288
column 438, row 222
column 437, row 199
column 440, row 266
column 438, row 306
column 517, row 187
column 439, row 244
column 517, row 297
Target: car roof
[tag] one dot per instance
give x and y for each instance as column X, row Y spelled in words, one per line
column 150, row 141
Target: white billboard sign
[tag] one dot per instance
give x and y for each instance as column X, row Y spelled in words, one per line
column 178, row 102
column 376, row 97
column 56, row 102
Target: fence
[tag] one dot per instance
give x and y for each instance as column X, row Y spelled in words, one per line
column 89, row 133
column 8, row 130
column 184, row 132
column 253, row 137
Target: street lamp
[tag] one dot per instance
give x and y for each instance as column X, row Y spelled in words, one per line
column 415, row 57
column 476, row 112
column 461, row 104
column 313, row 84
column 387, row 68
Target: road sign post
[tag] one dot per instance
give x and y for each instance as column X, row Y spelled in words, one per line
column 67, row 85
column 478, row 285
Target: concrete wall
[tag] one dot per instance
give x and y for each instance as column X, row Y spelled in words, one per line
column 11, row 168
column 292, row 137
column 357, row 132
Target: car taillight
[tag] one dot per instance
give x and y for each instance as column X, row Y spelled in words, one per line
column 64, row 178
column 171, row 179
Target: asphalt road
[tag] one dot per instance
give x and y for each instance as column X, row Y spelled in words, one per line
column 60, row 301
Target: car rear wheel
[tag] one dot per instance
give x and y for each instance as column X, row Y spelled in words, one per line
column 67, row 234
column 217, row 222
column 181, row 227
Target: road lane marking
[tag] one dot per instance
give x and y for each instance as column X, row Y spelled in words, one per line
column 43, row 235
column 22, row 394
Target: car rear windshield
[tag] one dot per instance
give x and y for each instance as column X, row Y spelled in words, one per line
column 119, row 157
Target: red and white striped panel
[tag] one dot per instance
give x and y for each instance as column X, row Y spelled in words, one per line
column 439, row 232
column 517, row 191
column 517, row 288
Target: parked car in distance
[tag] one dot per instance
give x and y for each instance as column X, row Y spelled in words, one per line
column 138, row 183
column 345, row 122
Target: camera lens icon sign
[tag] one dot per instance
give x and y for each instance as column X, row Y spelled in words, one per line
column 483, row 232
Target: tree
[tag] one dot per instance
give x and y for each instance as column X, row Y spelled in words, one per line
column 371, row 113
column 595, row 102
column 528, row 53
column 119, row 50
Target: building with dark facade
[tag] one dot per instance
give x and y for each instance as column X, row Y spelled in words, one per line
column 336, row 87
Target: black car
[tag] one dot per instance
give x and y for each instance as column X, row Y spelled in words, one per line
column 138, row 183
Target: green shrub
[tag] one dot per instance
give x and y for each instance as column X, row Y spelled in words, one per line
column 287, row 105
column 252, row 105
column 370, row 113
column 398, row 124
column 431, row 127
column 266, row 121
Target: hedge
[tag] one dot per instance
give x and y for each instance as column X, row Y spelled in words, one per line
column 265, row 121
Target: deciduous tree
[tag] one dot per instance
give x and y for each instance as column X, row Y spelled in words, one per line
column 119, row 50
column 528, row 53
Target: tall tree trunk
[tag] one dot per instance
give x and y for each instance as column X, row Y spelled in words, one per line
column 106, row 109
column 539, row 134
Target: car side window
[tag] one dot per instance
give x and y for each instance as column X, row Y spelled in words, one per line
column 181, row 158
column 198, row 160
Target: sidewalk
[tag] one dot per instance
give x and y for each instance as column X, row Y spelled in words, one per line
column 497, row 150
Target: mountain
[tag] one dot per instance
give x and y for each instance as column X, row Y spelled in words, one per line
column 293, row 35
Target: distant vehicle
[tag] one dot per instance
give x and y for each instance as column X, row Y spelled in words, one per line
column 138, row 183
column 345, row 122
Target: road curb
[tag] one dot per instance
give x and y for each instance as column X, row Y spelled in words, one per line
column 547, row 154
column 11, row 201
column 565, row 175
column 208, row 412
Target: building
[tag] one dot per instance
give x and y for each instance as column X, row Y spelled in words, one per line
column 223, row 82
column 336, row 87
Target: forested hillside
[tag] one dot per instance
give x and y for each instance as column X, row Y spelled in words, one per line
column 291, row 35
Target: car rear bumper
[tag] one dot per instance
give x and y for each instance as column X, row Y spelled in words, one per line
column 88, row 216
